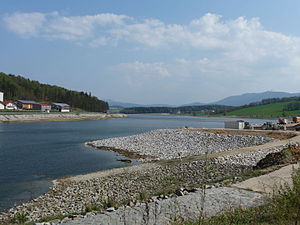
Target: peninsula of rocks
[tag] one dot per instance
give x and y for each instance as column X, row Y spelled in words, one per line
column 36, row 117
column 177, row 143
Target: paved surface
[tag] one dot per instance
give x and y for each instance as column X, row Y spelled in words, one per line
column 270, row 182
column 187, row 207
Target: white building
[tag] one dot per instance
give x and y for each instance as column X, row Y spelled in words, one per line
column 62, row 107
column 235, row 124
column 2, row 106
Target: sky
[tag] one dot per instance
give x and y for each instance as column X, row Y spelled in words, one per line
column 154, row 52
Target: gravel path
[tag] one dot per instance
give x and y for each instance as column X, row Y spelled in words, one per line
column 177, row 143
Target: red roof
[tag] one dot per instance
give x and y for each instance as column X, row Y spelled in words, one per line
column 6, row 102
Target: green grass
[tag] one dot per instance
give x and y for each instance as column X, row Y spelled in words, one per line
column 270, row 110
column 283, row 209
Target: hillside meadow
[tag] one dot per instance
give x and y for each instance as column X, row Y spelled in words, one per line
column 270, row 110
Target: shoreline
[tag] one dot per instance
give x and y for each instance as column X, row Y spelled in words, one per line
column 56, row 117
column 127, row 184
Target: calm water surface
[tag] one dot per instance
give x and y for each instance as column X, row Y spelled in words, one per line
column 33, row 154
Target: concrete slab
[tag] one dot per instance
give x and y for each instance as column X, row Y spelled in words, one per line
column 271, row 182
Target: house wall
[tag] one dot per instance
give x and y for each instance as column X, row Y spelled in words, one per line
column 1, row 106
column 37, row 107
column 1, row 96
column 45, row 108
column 27, row 106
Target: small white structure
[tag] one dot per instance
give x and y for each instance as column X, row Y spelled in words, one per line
column 10, row 105
column 2, row 106
column 235, row 124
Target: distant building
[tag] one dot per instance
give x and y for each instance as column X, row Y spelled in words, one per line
column 62, row 107
column 42, row 107
column 2, row 106
column 27, row 104
column 296, row 119
column 240, row 124
column 45, row 107
column 10, row 105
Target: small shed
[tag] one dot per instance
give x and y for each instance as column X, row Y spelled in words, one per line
column 240, row 124
column 26, row 104
column 10, row 105
column 62, row 107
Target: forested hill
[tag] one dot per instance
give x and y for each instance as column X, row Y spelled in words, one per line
column 17, row 87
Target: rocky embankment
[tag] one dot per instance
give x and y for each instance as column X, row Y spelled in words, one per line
column 26, row 117
column 130, row 189
column 177, row 143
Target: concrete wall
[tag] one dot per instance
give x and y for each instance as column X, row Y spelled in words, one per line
column 234, row 125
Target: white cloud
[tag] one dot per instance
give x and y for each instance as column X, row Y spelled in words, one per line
column 55, row 26
column 25, row 24
column 209, row 78
column 137, row 73
column 233, row 54
column 208, row 32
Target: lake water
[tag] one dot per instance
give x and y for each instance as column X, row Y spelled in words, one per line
column 33, row 154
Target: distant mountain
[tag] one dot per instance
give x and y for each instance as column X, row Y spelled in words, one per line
column 237, row 100
column 247, row 98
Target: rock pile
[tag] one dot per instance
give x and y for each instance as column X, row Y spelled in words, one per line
column 177, row 143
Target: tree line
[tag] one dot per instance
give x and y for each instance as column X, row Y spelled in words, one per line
column 18, row 87
column 208, row 109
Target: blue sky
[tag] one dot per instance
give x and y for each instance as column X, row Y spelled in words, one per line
column 172, row 52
